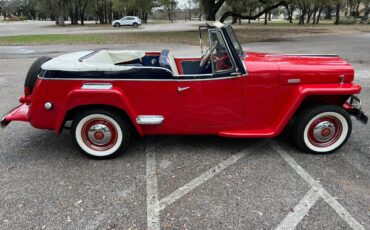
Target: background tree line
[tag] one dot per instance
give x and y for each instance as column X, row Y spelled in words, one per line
column 104, row 11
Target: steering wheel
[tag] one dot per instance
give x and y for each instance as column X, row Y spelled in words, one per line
column 207, row 54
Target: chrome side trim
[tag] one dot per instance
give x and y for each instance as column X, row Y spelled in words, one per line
column 149, row 119
column 97, row 86
column 176, row 78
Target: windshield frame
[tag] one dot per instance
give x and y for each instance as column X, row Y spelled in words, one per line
column 236, row 56
column 234, row 39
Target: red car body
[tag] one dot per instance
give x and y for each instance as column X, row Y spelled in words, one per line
column 258, row 102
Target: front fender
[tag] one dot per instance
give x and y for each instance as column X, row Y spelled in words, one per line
column 82, row 97
column 303, row 91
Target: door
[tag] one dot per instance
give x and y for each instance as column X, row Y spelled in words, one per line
column 213, row 102
column 125, row 21
column 210, row 105
column 130, row 21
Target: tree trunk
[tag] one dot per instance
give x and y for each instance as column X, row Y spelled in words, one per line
column 365, row 19
column 357, row 11
column 266, row 18
column 314, row 16
column 302, row 17
column 209, row 9
column 319, row 15
column 309, row 15
column 329, row 10
column 61, row 21
column 337, row 14
column 234, row 18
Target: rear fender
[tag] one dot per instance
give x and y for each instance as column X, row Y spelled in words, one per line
column 82, row 97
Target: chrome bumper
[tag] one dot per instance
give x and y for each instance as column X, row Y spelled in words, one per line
column 356, row 110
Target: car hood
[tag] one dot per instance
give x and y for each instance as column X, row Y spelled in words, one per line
column 305, row 69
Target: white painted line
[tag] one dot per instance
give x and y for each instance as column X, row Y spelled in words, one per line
column 182, row 191
column 299, row 211
column 342, row 212
column 152, row 199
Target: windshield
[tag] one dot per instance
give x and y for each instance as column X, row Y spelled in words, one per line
column 235, row 41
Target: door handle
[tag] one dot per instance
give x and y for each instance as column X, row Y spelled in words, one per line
column 180, row 89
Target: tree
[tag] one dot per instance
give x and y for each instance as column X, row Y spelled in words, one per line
column 265, row 10
column 169, row 6
column 82, row 4
column 365, row 19
column 211, row 8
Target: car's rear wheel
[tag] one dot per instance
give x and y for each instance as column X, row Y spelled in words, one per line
column 135, row 25
column 32, row 74
column 322, row 129
column 117, row 25
column 100, row 134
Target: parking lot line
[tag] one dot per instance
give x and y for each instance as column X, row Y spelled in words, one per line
column 182, row 191
column 152, row 202
column 300, row 210
column 339, row 209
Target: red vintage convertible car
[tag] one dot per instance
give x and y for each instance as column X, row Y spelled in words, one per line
column 106, row 95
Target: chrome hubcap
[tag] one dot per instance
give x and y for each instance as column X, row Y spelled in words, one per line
column 99, row 134
column 324, row 131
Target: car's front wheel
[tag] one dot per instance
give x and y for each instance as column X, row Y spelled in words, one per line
column 100, row 134
column 322, row 129
column 135, row 25
column 117, row 24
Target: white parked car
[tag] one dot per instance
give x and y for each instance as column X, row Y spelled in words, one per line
column 127, row 21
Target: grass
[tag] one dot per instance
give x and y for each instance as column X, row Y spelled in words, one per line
column 109, row 38
column 246, row 33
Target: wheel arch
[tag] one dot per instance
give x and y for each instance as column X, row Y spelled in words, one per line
column 71, row 113
column 114, row 99
column 319, row 99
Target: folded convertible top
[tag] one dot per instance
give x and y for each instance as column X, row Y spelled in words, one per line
column 102, row 60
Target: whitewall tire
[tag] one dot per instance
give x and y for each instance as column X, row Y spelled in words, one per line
column 322, row 129
column 100, row 134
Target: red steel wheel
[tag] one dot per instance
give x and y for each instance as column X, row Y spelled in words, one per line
column 325, row 131
column 100, row 134
column 322, row 129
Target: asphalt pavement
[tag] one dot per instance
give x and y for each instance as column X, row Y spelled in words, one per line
column 183, row 182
